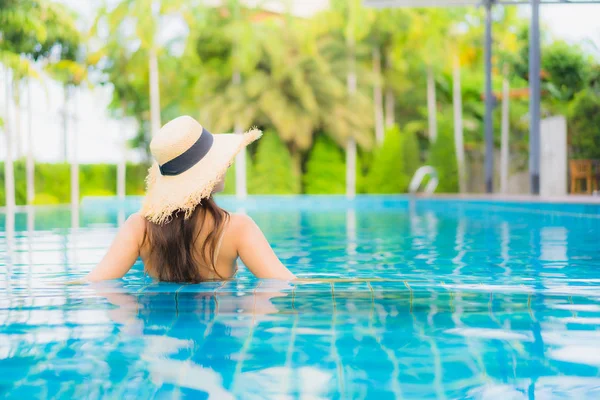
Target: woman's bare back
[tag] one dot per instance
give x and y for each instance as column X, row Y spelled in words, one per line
column 241, row 237
column 225, row 254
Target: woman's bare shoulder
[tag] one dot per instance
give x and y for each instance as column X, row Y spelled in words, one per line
column 238, row 223
column 135, row 225
column 136, row 221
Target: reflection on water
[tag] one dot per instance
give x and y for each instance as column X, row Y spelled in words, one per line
column 448, row 300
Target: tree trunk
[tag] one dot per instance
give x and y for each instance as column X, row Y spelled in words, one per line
column 65, row 134
column 30, row 163
column 241, row 184
column 351, row 144
column 296, row 156
column 18, row 133
column 9, row 175
column 431, row 105
column 390, row 106
column 154, row 93
column 122, row 165
column 351, row 168
column 390, row 101
column 505, row 134
column 74, row 156
column 458, row 127
column 377, row 96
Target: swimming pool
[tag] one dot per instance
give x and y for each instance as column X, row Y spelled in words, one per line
column 449, row 299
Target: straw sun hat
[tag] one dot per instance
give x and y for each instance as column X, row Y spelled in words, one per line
column 190, row 162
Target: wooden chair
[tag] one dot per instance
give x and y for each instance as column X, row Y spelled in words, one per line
column 581, row 170
column 595, row 175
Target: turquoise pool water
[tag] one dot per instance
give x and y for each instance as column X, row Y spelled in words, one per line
column 450, row 300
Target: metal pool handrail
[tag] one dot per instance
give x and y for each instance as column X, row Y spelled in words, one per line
column 420, row 175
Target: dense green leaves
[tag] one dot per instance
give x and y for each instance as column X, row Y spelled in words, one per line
column 53, row 181
column 273, row 170
column 387, row 173
column 584, row 129
column 238, row 66
column 567, row 70
column 442, row 156
column 325, row 169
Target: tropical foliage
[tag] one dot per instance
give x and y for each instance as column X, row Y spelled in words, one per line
column 325, row 168
column 383, row 79
column 53, row 181
column 273, row 172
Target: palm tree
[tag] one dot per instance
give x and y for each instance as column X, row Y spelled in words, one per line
column 134, row 72
column 142, row 17
column 508, row 44
column 225, row 45
column 461, row 54
column 9, row 175
column 393, row 25
column 387, row 37
column 71, row 74
column 20, row 27
column 34, row 30
column 353, row 22
column 287, row 82
column 122, row 71
column 429, row 34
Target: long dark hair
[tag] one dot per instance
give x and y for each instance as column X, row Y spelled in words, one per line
column 173, row 250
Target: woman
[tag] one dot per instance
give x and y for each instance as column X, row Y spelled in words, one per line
column 180, row 233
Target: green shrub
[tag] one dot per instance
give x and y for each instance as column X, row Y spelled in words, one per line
column 272, row 171
column 325, row 168
column 97, row 180
column 45, row 198
column 20, row 185
column 230, row 180
column 387, row 172
column 53, row 181
column 230, row 176
column 135, row 179
column 584, row 125
column 442, row 156
column 412, row 154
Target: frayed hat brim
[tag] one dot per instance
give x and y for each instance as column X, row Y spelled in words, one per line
column 183, row 192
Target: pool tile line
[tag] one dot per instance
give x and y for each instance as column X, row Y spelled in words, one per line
column 140, row 290
column 186, row 362
column 333, row 297
column 395, row 381
column 491, row 310
column 531, row 314
column 243, row 353
column 290, row 353
column 410, row 296
column 254, row 303
column 212, row 322
column 139, row 362
column 479, row 364
column 337, row 357
column 177, row 300
column 372, row 311
column 573, row 312
column 40, row 368
column 247, row 343
column 215, row 296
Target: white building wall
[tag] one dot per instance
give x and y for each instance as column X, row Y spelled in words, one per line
column 99, row 135
column 553, row 157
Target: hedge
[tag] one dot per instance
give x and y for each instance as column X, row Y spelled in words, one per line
column 53, row 181
column 272, row 171
column 325, row 168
